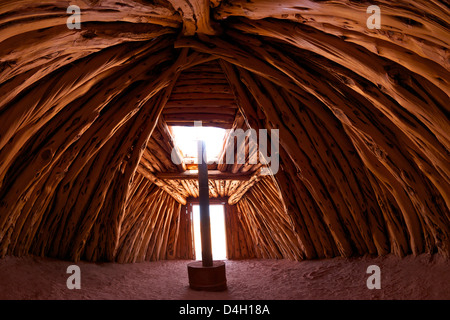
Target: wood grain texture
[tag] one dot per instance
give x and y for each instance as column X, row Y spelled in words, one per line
column 363, row 118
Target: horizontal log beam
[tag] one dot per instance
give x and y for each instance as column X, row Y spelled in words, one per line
column 192, row 110
column 218, row 200
column 243, row 188
column 162, row 184
column 204, row 103
column 193, row 175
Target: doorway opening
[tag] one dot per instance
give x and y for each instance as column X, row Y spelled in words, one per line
column 218, row 237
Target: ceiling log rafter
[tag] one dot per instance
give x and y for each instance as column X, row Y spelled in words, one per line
column 85, row 145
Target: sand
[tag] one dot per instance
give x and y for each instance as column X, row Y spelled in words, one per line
column 423, row 277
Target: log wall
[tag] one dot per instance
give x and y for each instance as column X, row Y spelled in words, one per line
column 262, row 229
column 154, row 226
column 363, row 117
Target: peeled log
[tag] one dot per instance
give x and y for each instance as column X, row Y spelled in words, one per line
column 195, row 15
column 85, row 166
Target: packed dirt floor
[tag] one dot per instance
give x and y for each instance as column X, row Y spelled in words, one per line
column 423, row 277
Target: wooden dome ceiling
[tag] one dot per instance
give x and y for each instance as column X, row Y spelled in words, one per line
column 363, row 117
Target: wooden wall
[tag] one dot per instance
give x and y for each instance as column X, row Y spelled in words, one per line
column 363, row 117
column 258, row 228
column 185, row 241
column 151, row 225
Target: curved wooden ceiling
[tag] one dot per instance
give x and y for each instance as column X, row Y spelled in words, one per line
column 363, row 116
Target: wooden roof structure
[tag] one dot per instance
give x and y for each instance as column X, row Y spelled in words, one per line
column 363, row 118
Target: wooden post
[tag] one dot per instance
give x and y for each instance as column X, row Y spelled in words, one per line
column 208, row 275
column 205, row 227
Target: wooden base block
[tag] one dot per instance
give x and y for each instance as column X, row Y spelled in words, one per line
column 207, row 278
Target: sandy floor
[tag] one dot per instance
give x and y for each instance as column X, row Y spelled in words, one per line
column 422, row 277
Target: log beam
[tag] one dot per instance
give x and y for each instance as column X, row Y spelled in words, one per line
column 244, row 187
column 193, row 175
column 195, row 16
column 162, row 184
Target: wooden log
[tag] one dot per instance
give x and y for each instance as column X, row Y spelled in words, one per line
column 258, row 246
column 247, row 239
column 312, row 180
column 203, row 187
column 251, row 116
column 195, row 87
column 87, row 226
column 395, row 227
column 133, row 241
column 277, row 77
column 196, row 17
column 55, row 15
column 151, row 234
column 243, row 188
column 237, row 242
column 207, row 103
column 163, row 185
column 82, row 116
column 80, row 240
column 294, row 202
column 282, row 228
column 193, row 175
column 117, row 197
column 199, row 96
column 364, row 148
column 411, row 219
column 422, row 107
column 312, row 146
column 345, row 13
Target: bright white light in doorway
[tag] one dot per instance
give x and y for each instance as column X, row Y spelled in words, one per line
column 186, row 139
column 218, row 238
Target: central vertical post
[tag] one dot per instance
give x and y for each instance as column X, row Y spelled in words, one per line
column 205, row 226
column 206, row 275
